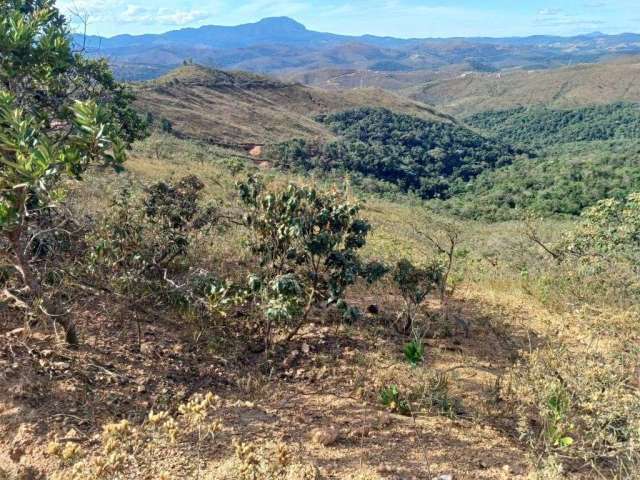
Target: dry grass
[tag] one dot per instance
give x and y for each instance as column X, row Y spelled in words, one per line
column 240, row 108
column 323, row 401
column 564, row 87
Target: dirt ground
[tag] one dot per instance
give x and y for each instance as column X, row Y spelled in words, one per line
column 326, row 381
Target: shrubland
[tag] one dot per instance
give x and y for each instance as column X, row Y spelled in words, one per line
column 568, row 398
column 329, row 325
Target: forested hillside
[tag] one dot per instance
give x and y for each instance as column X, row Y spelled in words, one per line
column 542, row 126
column 563, row 179
column 583, row 155
column 432, row 159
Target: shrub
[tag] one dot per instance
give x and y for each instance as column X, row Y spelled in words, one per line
column 138, row 245
column 414, row 284
column 306, row 243
column 433, row 396
column 166, row 126
column 391, row 398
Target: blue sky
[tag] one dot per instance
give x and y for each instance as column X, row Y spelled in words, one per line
column 399, row 18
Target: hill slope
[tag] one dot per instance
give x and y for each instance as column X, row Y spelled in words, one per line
column 584, row 155
column 243, row 108
column 565, row 87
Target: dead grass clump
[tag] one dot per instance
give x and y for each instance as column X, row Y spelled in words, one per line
column 579, row 406
column 182, row 442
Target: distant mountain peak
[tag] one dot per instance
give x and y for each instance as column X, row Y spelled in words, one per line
column 594, row 35
column 282, row 23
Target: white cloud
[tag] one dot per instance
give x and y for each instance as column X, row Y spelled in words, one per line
column 161, row 16
column 550, row 12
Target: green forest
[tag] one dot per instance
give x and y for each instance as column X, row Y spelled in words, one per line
column 583, row 155
column 539, row 127
column 430, row 159
column 564, row 180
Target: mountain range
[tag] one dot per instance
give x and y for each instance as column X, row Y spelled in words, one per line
column 283, row 47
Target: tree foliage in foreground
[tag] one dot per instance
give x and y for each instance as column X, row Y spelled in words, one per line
column 432, row 159
column 59, row 114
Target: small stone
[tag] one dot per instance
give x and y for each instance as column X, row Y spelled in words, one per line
column 324, row 436
column 291, row 358
column 142, row 389
column 447, row 476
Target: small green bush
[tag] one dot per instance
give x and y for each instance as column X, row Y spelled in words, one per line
column 414, row 284
column 391, row 398
column 414, row 352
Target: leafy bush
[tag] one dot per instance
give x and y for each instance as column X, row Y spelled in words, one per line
column 391, row 398
column 138, row 244
column 414, row 352
column 166, row 126
column 609, row 230
column 59, row 114
column 306, row 243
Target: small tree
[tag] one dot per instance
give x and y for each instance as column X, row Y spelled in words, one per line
column 166, row 126
column 307, row 244
column 59, row 114
column 608, row 230
column 414, row 284
column 444, row 238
